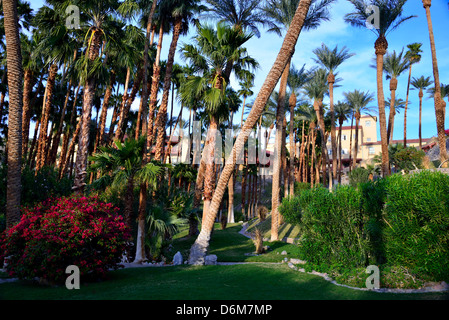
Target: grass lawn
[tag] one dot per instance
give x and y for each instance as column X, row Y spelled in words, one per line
column 252, row 281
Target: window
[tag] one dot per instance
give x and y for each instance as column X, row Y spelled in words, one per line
column 371, row 151
column 343, row 137
column 368, row 139
column 344, row 151
column 368, row 123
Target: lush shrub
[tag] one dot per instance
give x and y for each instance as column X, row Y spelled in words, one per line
column 416, row 234
column 60, row 232
column 301, row 186
column 359, row 175
column 332, row 227
column 401, row 222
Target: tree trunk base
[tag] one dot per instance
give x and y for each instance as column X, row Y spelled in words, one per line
column 198, row 250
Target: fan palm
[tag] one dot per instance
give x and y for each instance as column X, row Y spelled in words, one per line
column 209, row 54
column 390, row 18
column 121, row 166
column 243, row 15
column 331, row 60
column 421, row 84
column 440, row 104
column 358, row 101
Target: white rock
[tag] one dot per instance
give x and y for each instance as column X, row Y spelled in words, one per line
column 177, row 259
column 284, row 253
column 210, row 260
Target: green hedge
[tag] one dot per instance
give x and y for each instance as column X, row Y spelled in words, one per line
column 402, row 220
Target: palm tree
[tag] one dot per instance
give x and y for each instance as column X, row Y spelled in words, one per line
column 279, row 14
column 358, row 101
column 182, row 13
column 241, row 14
column 121, row 166
column 15, row 84
column 331, row 60
column 398, row 104
column 98, row 13
column 394, row 66
column 199, row 248
column 209, row 54
column 342, row 111
column 420, row 84
column 297, row 78
column 413, row 56
column 440, row 104
column 316, row 89
column 390, row 18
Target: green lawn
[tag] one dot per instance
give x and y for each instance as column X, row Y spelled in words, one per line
column 252, row 281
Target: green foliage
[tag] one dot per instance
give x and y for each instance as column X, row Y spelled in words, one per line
column 301, row 186
column 417, row 223
column 401, row 221
column 358, row 175
column 408, row 158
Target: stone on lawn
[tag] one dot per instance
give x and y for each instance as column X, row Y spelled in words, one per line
column 210, row 260
column 177, row 259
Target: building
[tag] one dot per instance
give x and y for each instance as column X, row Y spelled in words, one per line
column 368, row 143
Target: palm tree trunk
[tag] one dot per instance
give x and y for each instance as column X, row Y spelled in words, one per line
column 26, row 114
column 292, row 103
column 320, row 116
column 421, row 94
column 356, row 144
column 331, row 81
column 440, row 104
column 390, row 127
column 15, row 84
column 49, row 93
column 199, row 248
column 339, row 151
column 381, row 49
column 276, row 187
column 161, row 118
column 57, row 137
column 88, row 101
column 121, row 118
column 154, row 91
column 406, row 105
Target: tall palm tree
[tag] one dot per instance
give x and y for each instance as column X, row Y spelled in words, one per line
column 279, row 14
column 209, row 54
column 199, row 248
column 440, row 104
column 358, row 100
column 390, row 18
column 331, row 60
column 98, row 15
column 182, row 13
column 316, row 89
column 421, row 84
column 297, row 78
column 394, row 65
column 15, row 84
column 413, row 56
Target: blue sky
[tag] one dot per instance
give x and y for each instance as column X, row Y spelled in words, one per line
column 357, row 73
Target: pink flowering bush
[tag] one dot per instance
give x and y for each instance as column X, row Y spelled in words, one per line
column 81, row 231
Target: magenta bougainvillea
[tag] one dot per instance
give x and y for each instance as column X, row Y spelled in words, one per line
column 81, row 231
